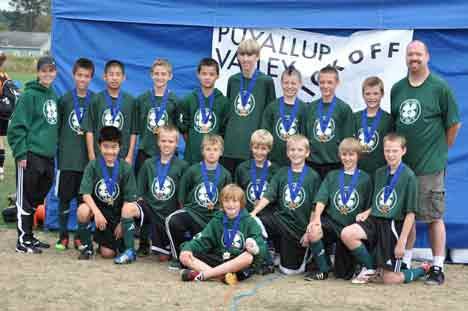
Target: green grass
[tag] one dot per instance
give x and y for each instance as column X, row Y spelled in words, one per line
column 23, row 77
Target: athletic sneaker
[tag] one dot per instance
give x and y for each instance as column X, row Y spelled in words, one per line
column 316, row 276
column 86, row 254
column 128, row 256
column 143, row 250
column 364, row 276
column 40, row 244
column 175, row 265
column 188, row 275
column 78, row 245
column 61, row 245
column 436, row 276
column 27, row 248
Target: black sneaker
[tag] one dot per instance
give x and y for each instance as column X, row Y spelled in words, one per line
column 40, row 244
column 86, row 254
column 436, row 276
column 403, row 266
column 316, row 276
column 27, row 248
column 143, row 249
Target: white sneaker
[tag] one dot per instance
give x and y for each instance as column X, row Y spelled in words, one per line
column 2, row 173
column 364, row 276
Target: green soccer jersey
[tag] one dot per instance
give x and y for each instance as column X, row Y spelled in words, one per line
column 243, row 121
column 243, row 177
column 211, row 238
column 148, row 110
column 423, row 114
column 324, row 144
column 372, row 157
column 281, row 128
column 161, row 198
column 358, row 201
column 293, row 214
column 194, row 125
column 72, row 155
column 93, row 183
column 194, row 195
column 403, row 199
column 99, row 115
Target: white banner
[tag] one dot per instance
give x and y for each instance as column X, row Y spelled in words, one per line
column 357, row 56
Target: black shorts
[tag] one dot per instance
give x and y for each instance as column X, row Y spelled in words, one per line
column 214, row 260
column 331, row 230
column 382, row 236
column 3, row 127
column 69, row 185
column 107, row 239
column 159, row 240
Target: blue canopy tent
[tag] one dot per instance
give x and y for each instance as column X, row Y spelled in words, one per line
column 137, row 32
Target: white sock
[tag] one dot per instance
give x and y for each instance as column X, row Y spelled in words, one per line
column 407, row 257
column 438, row 261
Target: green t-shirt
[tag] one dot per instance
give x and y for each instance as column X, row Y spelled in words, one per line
column 99, row 115
column 372, row 157
column 147, row 119
column 330, row 195
column 273, row 122
column 163, row 200
column 423, row 114
column 401, row 201
column 340, row 126
column 243, row 178
column 93, row 183
column 294, row 216
column 193, row 193
column 72, row 155
column 192, row 122
column 242, row 122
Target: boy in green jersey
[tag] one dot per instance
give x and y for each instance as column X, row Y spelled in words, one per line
column 342, row 195
column 156, row 107
column 112, row 107
column 108, row 192
column 249, row 93
column 387, row 223
column 72, row 155
column 228, row 247
column 203, row 111
column 32, row 135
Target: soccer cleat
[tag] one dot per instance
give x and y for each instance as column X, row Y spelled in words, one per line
column 175, row 265
column 61, row 245
column 364, row 276
column 27, row 248
column 126, row 257
column 40, row 244
column 86, row 254
column 78, row 245
column 231, row 278
column 188, row 275
column 435, row 277
column 316, row 276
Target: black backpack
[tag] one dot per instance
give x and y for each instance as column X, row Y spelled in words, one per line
column 8, row 100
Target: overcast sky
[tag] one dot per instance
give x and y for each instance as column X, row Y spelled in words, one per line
column 4, row 5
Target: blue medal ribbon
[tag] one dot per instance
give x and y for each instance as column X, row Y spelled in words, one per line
column 209, row 190
column 161, row 171
column 287, row 123
column 76, row 104
column 365, row 129
column 258, row 187
column 228, row 236
column 201, row 101
column 390, row 186
column 162, row 107
column 245, row 97
column 345, row 195
column 294, row 189
column 325, row 119
column 115, row 109
column 110, row 180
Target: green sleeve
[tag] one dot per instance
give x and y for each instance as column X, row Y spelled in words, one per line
column 130, row 191
column 450, row 111
column 135, row 130
column 323, row 192
column 60, row 116
column 271, row 94
column 86, row 186
column 19, row 127
column 393, row 105
column 90, row 114
column 204, row 241
column 368, row 193
column 142, row 180
column 348, row 125
column 267, row 119
column 185, row 115
column 184, row 187
column 411, row 197
column 238, row 176
column 224, row 115
column 272, row 192
column 175, row 112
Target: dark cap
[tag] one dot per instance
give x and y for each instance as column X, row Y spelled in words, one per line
column 45, row 61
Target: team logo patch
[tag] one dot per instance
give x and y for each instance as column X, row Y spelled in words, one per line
column 166, row 192
column 201, row 195
column 201, row 127
column 298, row 201
column 238, row 242
column 372, row 144
column 386, row 207
column 49, row 109
column 410, row 111
column 350, row 206
column 328, row 134
column 241, row 110
column 281, row 131
column 100, row 190
column 251, row 191
column 74, row 123
column 107, row 119
column 151, row 123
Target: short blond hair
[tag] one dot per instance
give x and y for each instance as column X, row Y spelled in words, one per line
column 394, row 137
column 163, row 63
column 249, row 47
column 298, row 139
column 371, row 82
column 233, row 192
column 261, row 137
column 212, row 139
column 350, row 144
column 168, row 128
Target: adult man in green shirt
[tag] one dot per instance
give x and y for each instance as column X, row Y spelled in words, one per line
column 425, row 112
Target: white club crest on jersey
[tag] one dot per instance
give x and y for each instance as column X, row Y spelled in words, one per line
column 100, row 190
column 49, row 109
column 410, row 111
column 118, row 122
column 166, row 192
column 151, row 123
column 298, row 201
column 201, row 195
column 242, row 110
column 328, row 134
column 350, row 206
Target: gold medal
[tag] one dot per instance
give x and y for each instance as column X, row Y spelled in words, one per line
column 204, row 128
column 323, row 137
column 292, row 205
column 365, row 148
column 210, row 206
column 111, row 202
column 385, row 208
column 344, row 210
column 285, row 136
column 226, row 255
column 156, row 130
column 243, row 112
column 80, row 132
